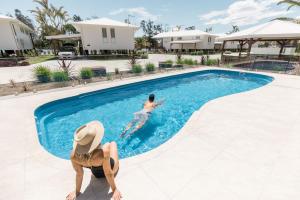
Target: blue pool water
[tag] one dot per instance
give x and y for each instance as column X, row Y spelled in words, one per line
column 183, row 94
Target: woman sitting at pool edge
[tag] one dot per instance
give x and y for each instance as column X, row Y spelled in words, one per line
column 89, row 153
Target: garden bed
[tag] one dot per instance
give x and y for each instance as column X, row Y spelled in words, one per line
column 35, row 86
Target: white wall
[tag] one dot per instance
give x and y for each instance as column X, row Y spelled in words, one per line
column 204, row 44
column 10, row 41
column 7, row 40
column 230, row 44
column 23, row 37
column 92, row 39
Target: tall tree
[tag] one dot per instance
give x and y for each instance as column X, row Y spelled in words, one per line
column 190, row 28
column 141, row 42
column 76, row 18
column 25, row 19
column 69, row 28
column 234, row 29
column 290, row 3
column 50, row 20
column 209, row 29
column 150, row 29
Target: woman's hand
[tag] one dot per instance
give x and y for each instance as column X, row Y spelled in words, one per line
column 72, row 195
column 117, row 195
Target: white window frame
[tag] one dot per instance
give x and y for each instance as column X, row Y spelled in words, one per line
column 104, row 36
column 112, row 35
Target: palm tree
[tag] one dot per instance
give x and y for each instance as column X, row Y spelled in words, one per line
column 291, row 3
column 51, row 21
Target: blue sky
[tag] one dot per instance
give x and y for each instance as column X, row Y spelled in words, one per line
column 219, row 14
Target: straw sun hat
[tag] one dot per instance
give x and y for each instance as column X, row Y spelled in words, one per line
column 88, row 137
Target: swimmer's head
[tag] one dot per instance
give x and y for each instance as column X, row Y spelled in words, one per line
column 151, row 97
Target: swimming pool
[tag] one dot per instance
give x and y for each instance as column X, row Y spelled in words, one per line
column 114, row 107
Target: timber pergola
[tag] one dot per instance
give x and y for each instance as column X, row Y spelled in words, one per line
column 282, row 32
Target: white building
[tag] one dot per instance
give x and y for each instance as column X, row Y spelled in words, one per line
column 232, row 45
column 14, row 35
column 105, row 34
column 187, row 40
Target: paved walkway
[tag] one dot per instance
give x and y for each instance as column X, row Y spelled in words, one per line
column 20, row 74
column 243, row 146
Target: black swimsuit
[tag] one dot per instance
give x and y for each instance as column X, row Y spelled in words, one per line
column 98, row 172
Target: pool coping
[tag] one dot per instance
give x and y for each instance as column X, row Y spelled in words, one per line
column 35, row 154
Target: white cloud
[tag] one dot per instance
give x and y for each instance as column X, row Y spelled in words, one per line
column 245, row 12
column 139, row 12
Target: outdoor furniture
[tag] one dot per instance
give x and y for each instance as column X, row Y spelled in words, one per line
column 99, row 71
column 165, row 65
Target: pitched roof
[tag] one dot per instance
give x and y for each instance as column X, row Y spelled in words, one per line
column 183, row 33
column 104, row 22
column 276, row 29
column 8, row 18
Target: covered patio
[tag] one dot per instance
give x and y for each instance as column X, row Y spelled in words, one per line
column 55, row 40
column 284, row 33
column 192, row 43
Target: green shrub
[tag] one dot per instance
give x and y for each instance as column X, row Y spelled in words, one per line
column 150, row 67
column 197, row 53
column 179, row 62
column 228, row 65
column 137, row 68
column 59, row 76
column 109, row 76
column 86, row 73
column 169, row 62
column 144, row 56
column 200, row 52
column 210, row 62
column 42, row 73
column 188, row 61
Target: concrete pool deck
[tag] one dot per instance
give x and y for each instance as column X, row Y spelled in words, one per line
column 242, row 146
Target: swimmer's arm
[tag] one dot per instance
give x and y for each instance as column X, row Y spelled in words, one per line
column 159, row 103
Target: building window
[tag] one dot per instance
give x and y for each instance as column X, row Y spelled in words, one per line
column 209, row 39
column 172, row 39
column 104, row 33
column 197, row 37
column 180, row 38
column 112, row 33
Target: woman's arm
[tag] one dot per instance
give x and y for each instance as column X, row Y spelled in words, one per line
column 79, row 177
column 109, row 174
column 107, row 168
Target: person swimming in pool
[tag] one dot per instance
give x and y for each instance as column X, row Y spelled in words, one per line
column 141, row 117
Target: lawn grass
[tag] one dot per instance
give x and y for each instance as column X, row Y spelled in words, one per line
column 39, row 59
